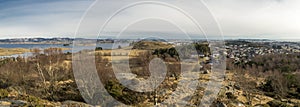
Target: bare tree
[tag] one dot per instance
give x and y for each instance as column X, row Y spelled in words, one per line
column 47, row 66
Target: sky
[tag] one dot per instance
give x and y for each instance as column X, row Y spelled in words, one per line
column 270, row 19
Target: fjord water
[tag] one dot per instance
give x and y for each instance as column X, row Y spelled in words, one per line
column 69, row 47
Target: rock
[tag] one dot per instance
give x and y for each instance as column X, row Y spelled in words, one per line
column 255, row 99
column 64, row 82
column 220, row 104
column 284, row 100
column 236, row 86
column 242, row 99
column 217, row 104
column 294, row 101
column 205, row 72
column 74, row 104
column 135, row 81
column 230, row 95
column 276, row 103
column 18, row 103
column 239, row 104
column 261, row 99
column 262, row 105
column 236, row 104
column 5, row 103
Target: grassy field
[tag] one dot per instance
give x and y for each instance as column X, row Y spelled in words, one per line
column 12, row 51
column 120, row 54
column 48, row 79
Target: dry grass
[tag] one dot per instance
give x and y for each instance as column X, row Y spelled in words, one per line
column 120, row 54
column 12, row 51
column 151, row 45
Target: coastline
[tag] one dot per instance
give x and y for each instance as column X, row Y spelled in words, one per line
column 36, row 43
column 16, row 51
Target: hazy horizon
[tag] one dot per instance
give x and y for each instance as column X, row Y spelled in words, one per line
column 267, row 19
column 107, row 37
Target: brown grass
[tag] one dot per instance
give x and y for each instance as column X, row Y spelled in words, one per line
column 151, row 45
column 119, row 54
column 12, row 51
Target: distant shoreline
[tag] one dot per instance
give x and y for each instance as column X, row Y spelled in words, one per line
column 19, row 51
column 35, row 43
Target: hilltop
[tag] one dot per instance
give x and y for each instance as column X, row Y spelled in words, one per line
column 151, row 45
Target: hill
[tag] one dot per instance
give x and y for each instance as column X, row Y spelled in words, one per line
column 151, row 45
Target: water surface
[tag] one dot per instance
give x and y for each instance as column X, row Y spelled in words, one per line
column 45, row 46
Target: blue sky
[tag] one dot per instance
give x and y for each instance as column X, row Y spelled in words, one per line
column 273, row 19
column 40, row 18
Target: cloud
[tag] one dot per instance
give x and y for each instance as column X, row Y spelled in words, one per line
column 41, row 19
column 238, row 18
column 258, row 18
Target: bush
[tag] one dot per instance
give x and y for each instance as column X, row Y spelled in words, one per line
column 230, row 95
column 293, row 94
column 3, row 93
column 98, row 48
column 114, row 88
column 270, row 94
column 268, row 86
column 262, row 105
column 276, row 103
column 124, row 95
column 3, row 84
column 281, row 84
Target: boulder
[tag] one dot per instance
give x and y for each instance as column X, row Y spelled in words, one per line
column 295, row 101
column 5, row 103
column 262, row 105
column 236, row 104
column 18, row 103
column 221, row 104
column 276, row 103
column 205, row 72
column 236, row 86
column 74, row 104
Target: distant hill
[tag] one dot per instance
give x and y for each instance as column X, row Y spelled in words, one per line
column 151, row 45
column 37, row 40
column 51, row 40
column 154, row 39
